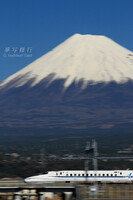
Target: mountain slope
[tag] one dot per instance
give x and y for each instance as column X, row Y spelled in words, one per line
column 87, row 57
column 85, row 82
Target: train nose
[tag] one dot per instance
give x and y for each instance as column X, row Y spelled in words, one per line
column 26, row 180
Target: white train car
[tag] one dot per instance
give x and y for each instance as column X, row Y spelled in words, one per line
column 109, row 176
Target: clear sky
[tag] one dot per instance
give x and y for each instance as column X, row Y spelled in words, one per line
column 40, row 25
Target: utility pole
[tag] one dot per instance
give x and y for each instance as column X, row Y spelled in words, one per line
column 87, row 160
column 91, row 149
column 95, row 154
column 42, row 160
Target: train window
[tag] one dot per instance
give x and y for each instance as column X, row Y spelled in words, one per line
column 115, row 174
column 82, row 174
column 66, row 174
column 120, row 173
column 107, row 174
column 87, row 174
column 56, row 174
column 99, row 174
column 71, row 175
column 74, row 174
column 60, row 173
column 79, row 175
column 91, row 174
column 94, row 174
column 103, row 174
column 111, row 174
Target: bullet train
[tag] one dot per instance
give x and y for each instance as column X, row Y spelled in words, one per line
column 110, row 176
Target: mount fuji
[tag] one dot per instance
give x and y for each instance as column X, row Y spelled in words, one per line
column 84, row 82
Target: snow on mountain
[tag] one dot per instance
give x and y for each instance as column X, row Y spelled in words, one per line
column 88, row 57
column 83, row 58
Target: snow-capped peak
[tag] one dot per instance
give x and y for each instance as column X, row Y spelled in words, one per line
column 91, row 58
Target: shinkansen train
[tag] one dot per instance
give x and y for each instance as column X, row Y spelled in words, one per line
column 110, row 176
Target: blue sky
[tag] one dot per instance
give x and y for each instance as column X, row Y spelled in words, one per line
column 43, row 24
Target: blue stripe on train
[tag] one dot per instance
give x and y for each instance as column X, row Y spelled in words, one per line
column 93, row 176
